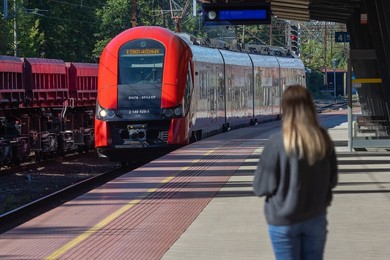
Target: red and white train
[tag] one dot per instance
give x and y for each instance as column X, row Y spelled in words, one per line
column 158, row 89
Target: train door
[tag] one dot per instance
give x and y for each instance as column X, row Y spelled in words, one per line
column 219, row 96
column 268, row 84
column 229, row 94
column 210, row 92
column 247, row 94
column 202, row 106
column 267, row 99
column 258, row 90
column 220, row 92
column 188, row 91
column 276, row 88
column 282, row 87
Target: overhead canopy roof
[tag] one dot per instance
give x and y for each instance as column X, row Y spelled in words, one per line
column 320, row 10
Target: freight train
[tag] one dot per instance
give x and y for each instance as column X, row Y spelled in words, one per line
column 159, row 89
column 47, row 108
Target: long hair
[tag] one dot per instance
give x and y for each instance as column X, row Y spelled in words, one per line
column 302, row 134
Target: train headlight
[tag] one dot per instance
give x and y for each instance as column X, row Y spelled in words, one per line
column 178, row 111
column 173, row 112
column 102, row 113
column 168, row 112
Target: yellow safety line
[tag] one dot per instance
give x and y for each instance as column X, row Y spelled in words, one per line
column 367, row 80
column 74, row 242
column 209, row 152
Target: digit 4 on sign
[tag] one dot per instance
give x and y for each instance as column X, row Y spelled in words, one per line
column 342, row 37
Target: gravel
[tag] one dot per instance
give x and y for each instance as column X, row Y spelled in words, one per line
column 31, row 182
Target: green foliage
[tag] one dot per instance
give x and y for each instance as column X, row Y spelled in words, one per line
column 318, row 48
column 114, row 17
column 5, row 38
column 51, row 29
column 31, row 39
column 314, row 82
column 69, row 29
column 75, row 30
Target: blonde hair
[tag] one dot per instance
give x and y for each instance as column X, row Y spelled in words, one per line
column 302, row 134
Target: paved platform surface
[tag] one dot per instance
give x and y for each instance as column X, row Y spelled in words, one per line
column 197, row 203
column 233, row 226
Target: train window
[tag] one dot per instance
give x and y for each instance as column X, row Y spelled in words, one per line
column 140, row 72
column 141, row 62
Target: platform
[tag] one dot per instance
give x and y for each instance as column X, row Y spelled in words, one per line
column 233, row 226
column 197, row 203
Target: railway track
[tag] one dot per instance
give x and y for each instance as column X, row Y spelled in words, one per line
column 36, row 188
column 323, row 107
column 34, row 208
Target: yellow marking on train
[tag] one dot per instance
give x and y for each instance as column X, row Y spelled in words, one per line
column 184, row 168
column 196, row 161
column 152, row 190
column 367, row 80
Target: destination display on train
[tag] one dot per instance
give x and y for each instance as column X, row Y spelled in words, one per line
column 143, row 51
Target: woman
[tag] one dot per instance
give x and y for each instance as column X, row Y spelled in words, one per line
column 296, row 173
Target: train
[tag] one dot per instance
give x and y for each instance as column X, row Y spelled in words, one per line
column 158, row 89
column 47, row 108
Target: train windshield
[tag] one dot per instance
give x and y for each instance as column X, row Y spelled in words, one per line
column 140, row 71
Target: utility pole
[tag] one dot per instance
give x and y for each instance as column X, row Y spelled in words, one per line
column 134, row 14
column 325, row 49
column 5, row 9
column 270, row 34
column 334, row 83
column 177, row 18
column 15, row 30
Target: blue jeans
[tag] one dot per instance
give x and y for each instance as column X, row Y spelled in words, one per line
column 300, row 241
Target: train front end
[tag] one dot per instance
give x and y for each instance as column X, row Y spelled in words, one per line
column 141, row 88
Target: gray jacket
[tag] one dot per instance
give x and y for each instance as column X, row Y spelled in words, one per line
column 295, row 191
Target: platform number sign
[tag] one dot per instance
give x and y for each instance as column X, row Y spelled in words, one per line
column 342, row 37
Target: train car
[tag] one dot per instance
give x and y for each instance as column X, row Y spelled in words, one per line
column 14, row 147
column 157, row 90
column 82, row 84
column 47, row 108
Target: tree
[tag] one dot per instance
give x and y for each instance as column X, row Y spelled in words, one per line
column 69, row 28
column 114, row 18
column 31, row 39
column 318, row 47
column 5, row 37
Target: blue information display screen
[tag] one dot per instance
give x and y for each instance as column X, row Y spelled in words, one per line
column 236, row 14
column 242, row 14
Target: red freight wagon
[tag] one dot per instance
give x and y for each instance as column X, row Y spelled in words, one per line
column 46, row 108
column 45, row 81
column 11, row 82
column 83, row 82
